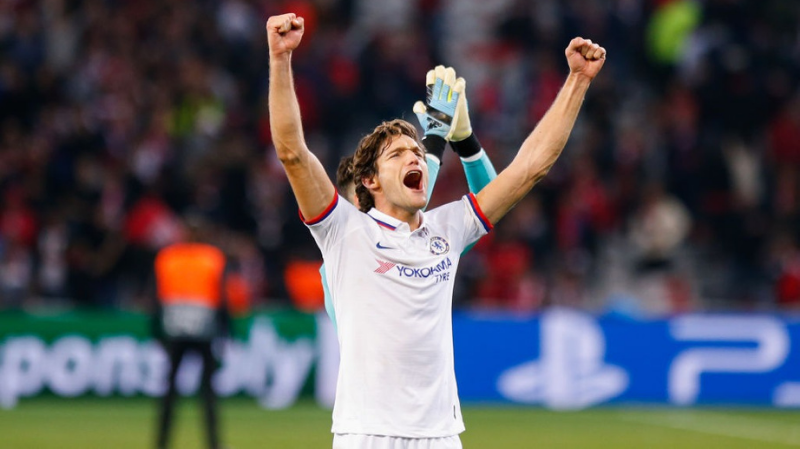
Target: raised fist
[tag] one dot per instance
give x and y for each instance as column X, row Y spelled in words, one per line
column 284, row 33
column 585, row 57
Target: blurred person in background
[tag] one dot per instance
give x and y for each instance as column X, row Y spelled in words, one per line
column 785, row 260
column 658, row 231
column 191, row 288
column 153, row 92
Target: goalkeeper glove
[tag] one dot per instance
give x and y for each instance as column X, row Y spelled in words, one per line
column 444, row 82
column 443, row 93
column 447, row 106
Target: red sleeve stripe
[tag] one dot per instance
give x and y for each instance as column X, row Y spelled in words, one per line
column 324, row 213
column 479, row 213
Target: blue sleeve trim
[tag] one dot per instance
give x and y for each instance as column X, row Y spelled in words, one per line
column 479, row 213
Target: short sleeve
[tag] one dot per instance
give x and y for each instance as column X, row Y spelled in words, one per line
column 464, row 221
column 330, row 226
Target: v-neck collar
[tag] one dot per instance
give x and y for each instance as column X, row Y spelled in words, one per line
column 391, row 223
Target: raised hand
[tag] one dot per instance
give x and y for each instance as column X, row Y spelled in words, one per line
column 284, row 33
column 444, row 112
column 461, row 128
column 585, row 57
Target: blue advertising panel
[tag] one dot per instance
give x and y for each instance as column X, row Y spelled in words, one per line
column 566, row 359
column 560, row 359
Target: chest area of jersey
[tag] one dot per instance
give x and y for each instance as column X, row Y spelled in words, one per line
column 419, row 257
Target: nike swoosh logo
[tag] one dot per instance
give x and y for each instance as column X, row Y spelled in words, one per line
column 383, row 247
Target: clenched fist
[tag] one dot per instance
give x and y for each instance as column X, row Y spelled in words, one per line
column 585, row 57
column 284, row 33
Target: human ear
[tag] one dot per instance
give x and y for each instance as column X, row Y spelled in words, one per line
column 371, row 183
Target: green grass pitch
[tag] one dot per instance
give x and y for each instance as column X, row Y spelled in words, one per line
column 89, row 423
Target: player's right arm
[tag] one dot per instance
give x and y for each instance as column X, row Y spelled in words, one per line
column 312, row 188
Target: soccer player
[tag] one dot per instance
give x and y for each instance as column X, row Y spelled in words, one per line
column 439, row 128
column 390, row 265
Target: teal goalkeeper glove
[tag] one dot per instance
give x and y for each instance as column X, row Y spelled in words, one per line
column 447, row 112
column 444, row 92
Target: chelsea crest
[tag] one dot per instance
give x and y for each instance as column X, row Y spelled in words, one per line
column 439, row 246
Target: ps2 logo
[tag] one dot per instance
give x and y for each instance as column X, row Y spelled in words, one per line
column 753, row 344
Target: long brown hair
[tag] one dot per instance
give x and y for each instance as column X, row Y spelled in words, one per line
column 371, row 146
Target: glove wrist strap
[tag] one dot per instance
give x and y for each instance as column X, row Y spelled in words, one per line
column 467, row 147
column 434, row 145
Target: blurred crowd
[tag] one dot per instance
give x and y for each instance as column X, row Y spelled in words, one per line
column 679, row 189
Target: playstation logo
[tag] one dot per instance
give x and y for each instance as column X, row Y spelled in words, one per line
column 571, row 372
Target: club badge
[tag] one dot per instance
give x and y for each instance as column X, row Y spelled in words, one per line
column 439, row 246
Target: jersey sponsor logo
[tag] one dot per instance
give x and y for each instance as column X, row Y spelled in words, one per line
column 383, row 267
column 425, row 272
column 379, row 246
column 440, row 272
column 439, row 246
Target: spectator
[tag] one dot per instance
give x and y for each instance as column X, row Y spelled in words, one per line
column 107, row 108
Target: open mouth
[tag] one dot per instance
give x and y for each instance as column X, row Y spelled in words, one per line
column 413, row 180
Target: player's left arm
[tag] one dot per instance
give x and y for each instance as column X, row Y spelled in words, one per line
column 543, row 146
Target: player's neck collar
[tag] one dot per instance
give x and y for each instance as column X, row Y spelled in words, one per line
column 385, row 220
column 389, row 222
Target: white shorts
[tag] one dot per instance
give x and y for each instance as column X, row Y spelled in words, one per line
column 355, row 441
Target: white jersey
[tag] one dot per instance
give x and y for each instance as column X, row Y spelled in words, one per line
column 392, row 291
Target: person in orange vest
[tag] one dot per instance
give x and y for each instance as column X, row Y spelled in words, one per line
column 190, row 281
